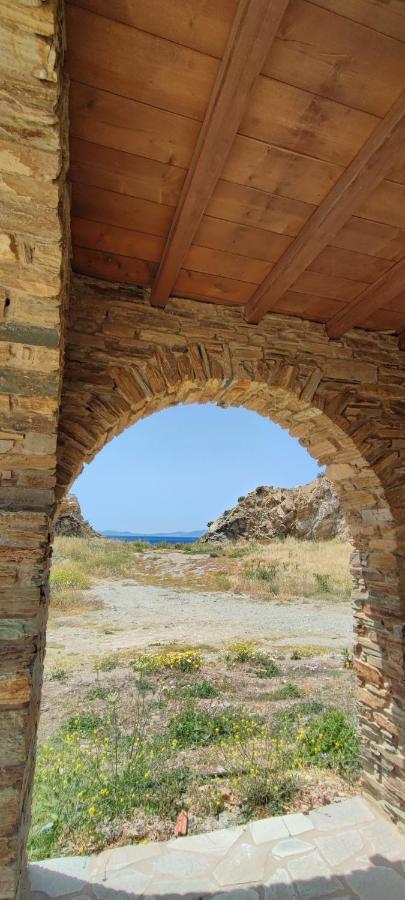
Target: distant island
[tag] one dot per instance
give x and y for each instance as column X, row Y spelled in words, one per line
column 174, row 537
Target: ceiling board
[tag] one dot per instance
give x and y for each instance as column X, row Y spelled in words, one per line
column 335, row 68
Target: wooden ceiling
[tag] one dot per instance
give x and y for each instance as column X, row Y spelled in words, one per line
column 246, row 152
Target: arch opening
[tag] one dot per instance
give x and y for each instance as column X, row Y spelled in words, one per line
column 125, row 361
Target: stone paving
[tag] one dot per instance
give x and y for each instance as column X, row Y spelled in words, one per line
column 341, row 851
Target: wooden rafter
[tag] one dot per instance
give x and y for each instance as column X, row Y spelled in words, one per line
column 383, row 290
column 363, row 174
column 255, row 26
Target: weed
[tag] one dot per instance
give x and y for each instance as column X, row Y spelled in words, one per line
column 68, row 575
column 107, row 663
column 262, row 572
column 267, row 668
column 298, row 714
column 196, row 728
column 331, row 741
column 347, row 659
column 246, row 651
column 286, row 692
column 88, row 779
column 59, row 675
column 98, row 693
column 263, row 776
column 241, row 651
column 84, row 723
column 183, row 661
column 202, row 690
column 322, row 582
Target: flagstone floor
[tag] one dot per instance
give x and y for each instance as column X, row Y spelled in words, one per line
column 341, row 851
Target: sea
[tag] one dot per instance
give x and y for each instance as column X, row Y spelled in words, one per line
column 155, row 538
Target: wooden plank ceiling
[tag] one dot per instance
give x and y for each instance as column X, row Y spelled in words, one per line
column 246, row 152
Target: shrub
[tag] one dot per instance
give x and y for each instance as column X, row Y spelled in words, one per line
column 331, row 741
column 241, row 498
column 183, row 661
column 267, row 668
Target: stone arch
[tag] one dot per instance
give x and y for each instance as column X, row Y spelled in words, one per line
column 126, row 360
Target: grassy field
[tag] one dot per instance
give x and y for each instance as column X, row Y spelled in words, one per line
column 250, row 728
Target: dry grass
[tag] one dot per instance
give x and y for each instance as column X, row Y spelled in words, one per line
column 287, row 569
column 291, row 568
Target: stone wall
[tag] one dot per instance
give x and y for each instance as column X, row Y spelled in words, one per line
column 343, row 400
column 125, row 360
column 33, row 230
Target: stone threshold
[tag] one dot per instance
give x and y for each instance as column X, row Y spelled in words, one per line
column 341, row 851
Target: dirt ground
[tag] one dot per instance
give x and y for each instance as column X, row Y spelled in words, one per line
column 126, row 616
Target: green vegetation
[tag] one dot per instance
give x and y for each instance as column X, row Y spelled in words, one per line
column 88, row 778
column 241, row 651
column 197, row 728
column 59, row 674
column 68, row 576
column 266, row 667
column 263, row 572
column 202, row 690
column 286, row 692
column 98, row 693
column 331, row 741
column 183, row 661
column 247, row 652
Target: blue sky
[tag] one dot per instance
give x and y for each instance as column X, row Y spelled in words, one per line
column 181, row 467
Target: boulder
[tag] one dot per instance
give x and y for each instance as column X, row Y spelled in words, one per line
column 310, row 512
column 70, row 522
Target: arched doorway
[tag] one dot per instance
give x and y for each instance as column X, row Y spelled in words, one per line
column 126, row 360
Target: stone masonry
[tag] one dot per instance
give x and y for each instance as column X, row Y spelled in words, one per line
column 343, row 400
column 33, row 273
column 124, row 360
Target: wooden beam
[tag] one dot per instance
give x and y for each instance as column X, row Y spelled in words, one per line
column 384, row 289
column 363, row 174
column 253, row 31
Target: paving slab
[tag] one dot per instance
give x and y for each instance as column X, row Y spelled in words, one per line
column 311, row 877
column 291, row 847
column 243, row 865
column 279, row 886
column 337, row 848
column 265, row 830
column 298, row 823
column 348, row 813
column 378, row 883
column 58, row 877
column 339, row 852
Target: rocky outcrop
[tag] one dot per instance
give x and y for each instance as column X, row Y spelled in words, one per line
column 310, row 512
column 70, row 522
